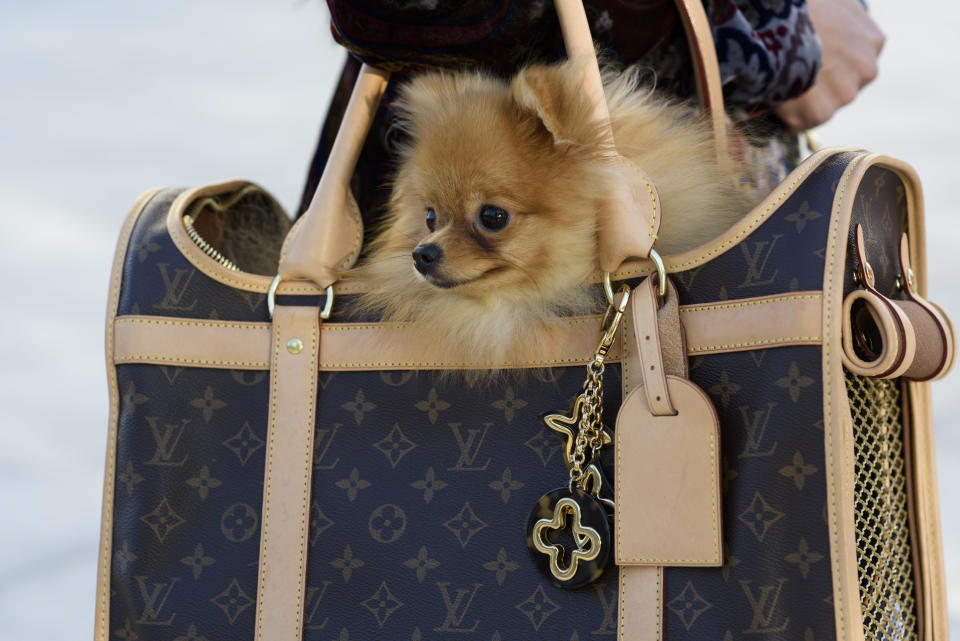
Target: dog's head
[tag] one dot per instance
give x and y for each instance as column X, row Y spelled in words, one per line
column 496, row 190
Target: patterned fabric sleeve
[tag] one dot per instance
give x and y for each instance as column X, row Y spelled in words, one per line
column 767, row 48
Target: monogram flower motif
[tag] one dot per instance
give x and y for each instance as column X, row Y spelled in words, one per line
column 162, row 520
column 464, row 525
column 509, row 404
column 129, row 478
column 798, row 471
column 501, row 566
column 794, row 382
column 724, row 389
column 688, row 605
column 803, row 558
column 395, row 445
column 204, row 482
column 208, row 404
column 353, row 484
column 359, row 406
column 233, row 601
column 382, row 604
column 429, row 484
column 239, row 522
column 244, row 443
column 538, row 607
column 347, row 564
column 198, row 561
column 505, row 485
column 387, row 523
column 432, row 406
column 421, row 563
column 802, row 215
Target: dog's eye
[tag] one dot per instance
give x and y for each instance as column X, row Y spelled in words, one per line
column 493, row 218
column 431, row 219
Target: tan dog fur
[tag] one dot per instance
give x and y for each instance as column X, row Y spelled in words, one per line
column 528, row 146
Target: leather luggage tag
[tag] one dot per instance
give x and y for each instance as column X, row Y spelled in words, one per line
column 668, row 449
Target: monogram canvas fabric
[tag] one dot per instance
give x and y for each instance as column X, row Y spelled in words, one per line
column 422, row 484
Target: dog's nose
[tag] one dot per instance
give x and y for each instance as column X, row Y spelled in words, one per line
column 426, row 257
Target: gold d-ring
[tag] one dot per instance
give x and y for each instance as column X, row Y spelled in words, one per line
column 272, row 298
column 661, row 279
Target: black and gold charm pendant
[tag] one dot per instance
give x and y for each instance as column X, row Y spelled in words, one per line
column 568, row 531
column 569, row 537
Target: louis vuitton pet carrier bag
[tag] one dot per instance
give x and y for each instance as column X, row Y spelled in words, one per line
column 277, row 470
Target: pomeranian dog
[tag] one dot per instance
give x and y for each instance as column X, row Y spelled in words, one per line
column 491, row 229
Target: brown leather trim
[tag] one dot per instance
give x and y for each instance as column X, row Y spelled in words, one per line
column 838, row 432
column 753, row 323
column 178, row 341
column 720, row 327
column 101, row 625
column 706, row 68
column 641, row 604
column 286, row 485
column 640, row 611
column 329, row 239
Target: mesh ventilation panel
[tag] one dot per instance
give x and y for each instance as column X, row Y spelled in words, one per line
column 882, row 526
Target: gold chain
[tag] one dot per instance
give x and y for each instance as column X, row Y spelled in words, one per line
column 590, row 430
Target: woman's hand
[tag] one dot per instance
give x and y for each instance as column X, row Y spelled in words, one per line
column 851, row 43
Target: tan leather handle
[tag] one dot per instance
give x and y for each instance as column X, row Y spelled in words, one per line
column 706, row 68
column 328, row 237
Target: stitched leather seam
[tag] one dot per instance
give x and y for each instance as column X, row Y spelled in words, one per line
column 761, row 218
column 177, row 323
column 828, row 399
column 623, row 603
column 124, row 359
column 653, row 198
column 106, row 536
column 765, row 301
column 357, row 234
column 771, row 341
column 659, row 601
column 265, row 518
column 307, row 467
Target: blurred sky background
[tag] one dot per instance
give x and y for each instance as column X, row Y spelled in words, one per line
column 101, row 100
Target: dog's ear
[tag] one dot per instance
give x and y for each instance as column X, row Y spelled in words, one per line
column 554, row 95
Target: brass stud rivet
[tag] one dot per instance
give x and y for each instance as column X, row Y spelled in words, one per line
column 294, row 345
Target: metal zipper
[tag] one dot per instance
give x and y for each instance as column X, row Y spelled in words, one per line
column 205, row 246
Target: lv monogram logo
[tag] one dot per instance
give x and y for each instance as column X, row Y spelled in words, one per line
column 609, row 604
column 176, row 288
column 763, row 613
column 314, row 597
column 323, row 438
column 457, row 608
column 166, row 439
column 469, row 446
column 757, row 262
column 756, row 428
column 154, row 598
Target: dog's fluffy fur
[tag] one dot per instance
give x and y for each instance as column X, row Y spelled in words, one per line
column 528, row 146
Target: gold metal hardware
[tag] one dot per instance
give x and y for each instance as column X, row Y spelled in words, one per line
column 587, row 539
column 661, row 279
column 272, row 298
column 294, row 345
column 205, row 246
